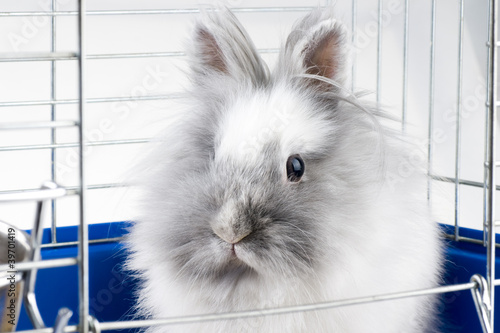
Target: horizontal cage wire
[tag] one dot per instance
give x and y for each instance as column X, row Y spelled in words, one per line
column 80, row 121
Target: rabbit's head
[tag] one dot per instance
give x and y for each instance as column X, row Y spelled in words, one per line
column 267, row 169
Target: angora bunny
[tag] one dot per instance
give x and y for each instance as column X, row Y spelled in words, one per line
column 282, row 188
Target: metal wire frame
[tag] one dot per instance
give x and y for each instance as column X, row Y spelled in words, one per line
column 354, row 12
column 53, row 132
column 82, row 260
column 379, row 51
column 83, row 232
column 491, row 162
column 458, row 132
column 154, row 11
column 133, row 324
column 432, row 79
column 404, row 106
column 11, row 57
column 90, row 100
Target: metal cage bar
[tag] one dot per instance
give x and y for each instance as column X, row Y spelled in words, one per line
column 154, row 11
column 379, row 51
column 64, row 56
column 73, row 144
column 458, row 132
column 491, row 162
column 83, row 236
column 90, row 100
column 134, row 324
column 354, row 22
column 430, row 137
column 53, row 132
column 404, row 106
column 486, row 134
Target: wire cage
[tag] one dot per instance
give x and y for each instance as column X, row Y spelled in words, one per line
column 71, row 273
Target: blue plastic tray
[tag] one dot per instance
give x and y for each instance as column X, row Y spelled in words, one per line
column 111, row 290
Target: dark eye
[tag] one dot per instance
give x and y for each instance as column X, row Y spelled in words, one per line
column 294, row 168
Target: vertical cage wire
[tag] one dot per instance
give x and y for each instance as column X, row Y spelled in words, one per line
column 379, row 51
column 458, row 132
column 430, row 134
column 486, row 132
column 491, row 162
column 83, row 237
column 404, row 103
column 354, row 21
column 53, row 96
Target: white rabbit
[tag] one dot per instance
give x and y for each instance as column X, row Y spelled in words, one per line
column 281, row 188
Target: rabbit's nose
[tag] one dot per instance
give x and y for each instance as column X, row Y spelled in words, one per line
column 231, row 238
column 229, row 225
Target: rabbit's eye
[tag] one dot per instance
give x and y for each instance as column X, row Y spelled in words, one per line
column 294, row 168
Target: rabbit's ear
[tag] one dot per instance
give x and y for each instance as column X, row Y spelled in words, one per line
column 209, row 54
column 222, row 47
column 317, row 46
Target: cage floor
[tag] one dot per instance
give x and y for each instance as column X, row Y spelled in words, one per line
column 111, row 289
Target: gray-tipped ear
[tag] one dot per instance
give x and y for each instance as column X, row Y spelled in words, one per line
column 222, row 47
column 208, row 55
column 317, row 46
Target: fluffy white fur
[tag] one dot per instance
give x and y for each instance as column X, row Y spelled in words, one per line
column 356, row 224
